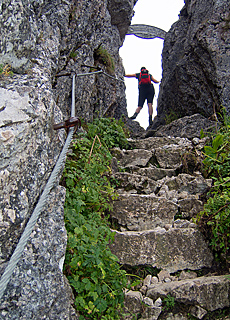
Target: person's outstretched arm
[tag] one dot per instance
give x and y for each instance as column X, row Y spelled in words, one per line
column 154, row 80
column 130, row 75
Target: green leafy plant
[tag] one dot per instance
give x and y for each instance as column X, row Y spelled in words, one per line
column 169, row 302
column 215, row 218
column 97, row 280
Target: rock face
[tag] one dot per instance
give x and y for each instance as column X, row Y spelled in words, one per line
column 196, row 62
column 153, row 215
column 40, row 39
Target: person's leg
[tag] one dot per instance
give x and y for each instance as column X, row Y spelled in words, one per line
column 138, row 109
column 150, row 105
column 141, row 100
column 150, row 97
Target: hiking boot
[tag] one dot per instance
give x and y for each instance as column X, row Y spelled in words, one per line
column 150, row 120
column 134, row 116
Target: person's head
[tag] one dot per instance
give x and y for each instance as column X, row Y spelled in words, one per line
column 143, row 68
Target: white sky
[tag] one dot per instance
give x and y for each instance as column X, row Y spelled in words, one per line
column 137, row 52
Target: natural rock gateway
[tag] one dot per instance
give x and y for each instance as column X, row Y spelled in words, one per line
column 42, row 43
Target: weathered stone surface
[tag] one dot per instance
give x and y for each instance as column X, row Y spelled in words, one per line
column 137, row 157
column 152, row 143
column 185, row 185
column 196, row 54
column 40, row 39
column 198, row 312
column 172, row 250
column 29, row 152
column 143, row 212
column 38, row 287
column 170, row 157
column 155, row 173
column 190, row 207
column 135, row 304
column 210, row 293
column 133, row 301
column 134, row 183
column 189, row 127
column 121, row 12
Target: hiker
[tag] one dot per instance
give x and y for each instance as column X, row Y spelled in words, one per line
column 146, row 91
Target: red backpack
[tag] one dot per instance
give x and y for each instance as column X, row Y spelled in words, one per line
column 144, row 77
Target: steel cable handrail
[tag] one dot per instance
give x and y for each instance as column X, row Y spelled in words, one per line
column 5, row 278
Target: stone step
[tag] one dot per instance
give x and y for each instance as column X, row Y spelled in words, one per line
column 135, row 183
column 143, row 212
column 208, row 292
column 174, row 249
column 131, row 158
column 153, row 143
column 200, row 295
column 169, row 156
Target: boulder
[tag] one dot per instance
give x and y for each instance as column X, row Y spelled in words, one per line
column 196, row 65
column 187, row 127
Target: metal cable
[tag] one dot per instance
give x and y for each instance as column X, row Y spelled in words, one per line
column 43, row 199
column 39, row 207
column 90, row 73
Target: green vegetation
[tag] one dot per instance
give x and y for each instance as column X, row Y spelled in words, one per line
column 73, row 55
column 168, row 302
column 5, row 70
column 92, row 270
column 215, row 218
column 101, row 55
column 171, row 116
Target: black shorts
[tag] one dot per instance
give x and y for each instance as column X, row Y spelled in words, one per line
column 145, row 92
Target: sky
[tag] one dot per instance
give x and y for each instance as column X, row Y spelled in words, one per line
column 137, row 52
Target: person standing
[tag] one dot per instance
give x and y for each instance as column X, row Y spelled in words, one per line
column 146, row 91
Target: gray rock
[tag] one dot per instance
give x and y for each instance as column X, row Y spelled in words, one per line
column 186, row 183
column 133, row 302
column 190, row 207
column 143, row 212
column 198, row 312
column 177, row 316
column 155, row 173
column 137, row 183
column 170, row 157
column 38, row 285
column 152, row 143
column 162, row 275
column 187, row 275
column 147, row 280
column 158, row 302
column 210, row 293
column 195, row 53
column 40, row 39
column 187, row 127
column 172, row 250
column 148, row 302
column 137, row 157
column 151, row 313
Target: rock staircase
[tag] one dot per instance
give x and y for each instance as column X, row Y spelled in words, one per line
column 160, row 191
